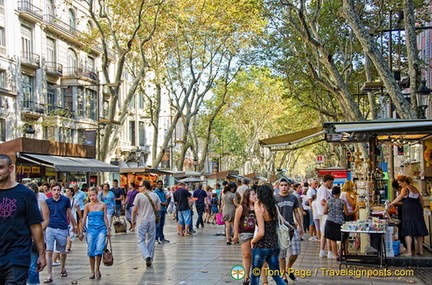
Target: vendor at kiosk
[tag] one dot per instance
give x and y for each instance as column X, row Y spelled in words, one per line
column 413, row 224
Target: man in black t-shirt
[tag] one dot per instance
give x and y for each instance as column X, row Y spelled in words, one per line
column 20, row 220
column 181, row 199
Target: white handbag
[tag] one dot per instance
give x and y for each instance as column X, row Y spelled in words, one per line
column 283, row 232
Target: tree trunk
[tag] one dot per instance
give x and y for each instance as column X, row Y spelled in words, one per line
column 371, row 49
column 370, row 95
column 412, row 51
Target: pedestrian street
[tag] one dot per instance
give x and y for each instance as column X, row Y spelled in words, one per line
column 199, row 260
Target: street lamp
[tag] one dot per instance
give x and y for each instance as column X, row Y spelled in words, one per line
column 423, row 93
column 195, row 163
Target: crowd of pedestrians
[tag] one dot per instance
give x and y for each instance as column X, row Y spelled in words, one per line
column 48, row 219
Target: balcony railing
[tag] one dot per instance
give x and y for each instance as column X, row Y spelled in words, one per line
column 30, row 58
column 27, row 6
column 80, row 72
column 59, row 111
column 54, row 67
column 33, row 107
column 51, row 19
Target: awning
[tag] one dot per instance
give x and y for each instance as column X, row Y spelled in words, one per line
column 70, row 164
column 292, row 138
column 384, row 129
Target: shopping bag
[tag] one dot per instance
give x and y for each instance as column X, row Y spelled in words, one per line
column 120, row 225
column 219, row 220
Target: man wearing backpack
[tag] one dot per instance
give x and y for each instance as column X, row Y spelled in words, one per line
column 288, row 206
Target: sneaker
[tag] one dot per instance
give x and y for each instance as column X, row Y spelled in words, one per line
column 313, row 238
column 292, row 277
column 148, row 261
column 330, row 255
column 157, row 241
column 322, row 254
column 56, row 264
column 165, row 241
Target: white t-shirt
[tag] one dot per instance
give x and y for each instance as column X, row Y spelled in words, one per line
column 145, row 208
column 311, row 192
column 343, row 196
column 315, row 210
column 322, row 194
column 242, row 189
column 304, row 199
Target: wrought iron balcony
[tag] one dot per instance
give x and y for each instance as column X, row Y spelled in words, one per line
column 30, row 58
column 32, row 107
column 54, row 68
column 62, row 26
column 59, row 111
column 27, row 7
column 80, row 72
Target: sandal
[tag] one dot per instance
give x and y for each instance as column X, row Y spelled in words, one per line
column 63, row 274
column 98, row 276
column 48, row 280
column 92, row 276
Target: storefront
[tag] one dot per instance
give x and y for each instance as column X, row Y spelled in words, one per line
column 41, row 160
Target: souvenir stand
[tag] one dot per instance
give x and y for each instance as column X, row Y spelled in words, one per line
column 374, row 146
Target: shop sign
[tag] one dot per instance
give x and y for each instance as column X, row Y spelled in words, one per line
column 26, row 169
column 49, row 172
column 18, row 168
column 336, row 174
column 35, row 169
column 319, row 159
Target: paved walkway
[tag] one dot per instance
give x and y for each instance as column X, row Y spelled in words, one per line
column 202, row 259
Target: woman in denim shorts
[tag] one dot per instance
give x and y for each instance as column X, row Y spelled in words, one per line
column 244, row 227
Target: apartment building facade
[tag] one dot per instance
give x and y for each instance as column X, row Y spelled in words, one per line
column 51, row 84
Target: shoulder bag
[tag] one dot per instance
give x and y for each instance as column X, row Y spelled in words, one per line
column 107, row 256
column 283, row 232
column 154, row 208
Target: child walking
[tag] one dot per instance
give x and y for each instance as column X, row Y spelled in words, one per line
column 335, row 208
column 214, row 207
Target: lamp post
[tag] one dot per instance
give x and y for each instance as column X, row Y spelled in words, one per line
column 423, row 93
column 195, row 163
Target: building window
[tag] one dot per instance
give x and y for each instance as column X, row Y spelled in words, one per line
column 49, row 133
column 80, row 102
column 49, row 5
column 68, row 99
column 142, row 134
column 132, row 132
column 90, row 103
column 28, row 90
column 50, row 51
column 2, row 37
column 3, row 78
column 2, row 130
column 72, row 19
column 72, row 62
column 26, row 43
column 51, row 99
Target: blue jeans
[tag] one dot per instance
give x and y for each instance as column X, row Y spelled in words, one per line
column 146, row 235
column 159, row 227
column 200, row 207
column 269, row 255
column 33, row 276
